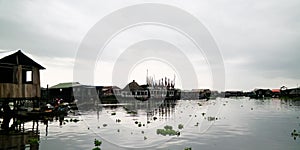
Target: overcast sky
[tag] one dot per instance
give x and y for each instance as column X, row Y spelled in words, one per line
column 258, row 40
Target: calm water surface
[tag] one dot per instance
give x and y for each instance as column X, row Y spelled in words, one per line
column 241, row 124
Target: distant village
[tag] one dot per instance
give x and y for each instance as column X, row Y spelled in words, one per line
column 20, row 87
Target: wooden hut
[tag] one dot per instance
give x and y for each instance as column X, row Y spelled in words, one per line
column 20, row 76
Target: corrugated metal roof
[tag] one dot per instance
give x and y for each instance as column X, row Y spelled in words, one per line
column 65, row 85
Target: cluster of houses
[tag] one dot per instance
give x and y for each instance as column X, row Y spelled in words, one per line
column 20, row 80
column 283, row 92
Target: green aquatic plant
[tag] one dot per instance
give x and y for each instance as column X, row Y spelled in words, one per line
column 96, row 148
column 168, row 130
column 180, row 126
column 33, row 140
column 97, row 143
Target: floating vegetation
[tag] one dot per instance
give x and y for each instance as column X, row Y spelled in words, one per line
column 211, row 118
column 72, row 120
column 295, row 133
column 33, row 140
column 97, row 143
column 180, row 126
column 188, row 148
column 168, row 130
column 132, row 112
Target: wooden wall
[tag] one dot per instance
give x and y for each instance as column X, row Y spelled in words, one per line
column 22, row 90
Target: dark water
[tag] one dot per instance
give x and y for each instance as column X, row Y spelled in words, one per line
column 240, row 124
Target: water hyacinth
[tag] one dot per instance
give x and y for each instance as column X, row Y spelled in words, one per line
column 168, row 130
column 180, row 126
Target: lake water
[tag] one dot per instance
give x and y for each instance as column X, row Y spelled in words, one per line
column 239, row 123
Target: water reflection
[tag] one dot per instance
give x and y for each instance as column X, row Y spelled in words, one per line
column 20, row 130
column 15, row 136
